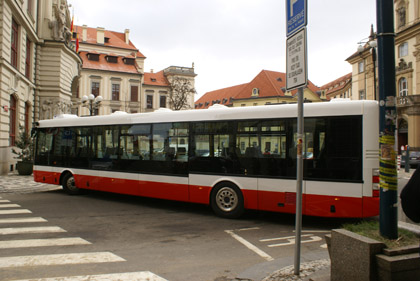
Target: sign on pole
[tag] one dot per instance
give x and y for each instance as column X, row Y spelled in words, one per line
column 296, row 70
column 296, row 15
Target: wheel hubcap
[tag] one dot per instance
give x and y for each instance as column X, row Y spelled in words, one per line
column 70, row 184
column 226, row 199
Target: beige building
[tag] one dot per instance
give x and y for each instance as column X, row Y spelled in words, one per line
column 268, row 87
column 38, row 67
column 113, row 68
column 407, row 56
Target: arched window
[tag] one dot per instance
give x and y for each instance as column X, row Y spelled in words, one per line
column 12, row 121
column 403, row 87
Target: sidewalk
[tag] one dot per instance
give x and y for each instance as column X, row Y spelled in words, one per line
column 13, row 183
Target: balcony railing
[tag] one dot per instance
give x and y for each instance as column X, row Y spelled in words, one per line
column 410, row 100
column 179, row 70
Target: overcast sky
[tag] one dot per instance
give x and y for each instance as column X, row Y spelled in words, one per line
column 231, row 41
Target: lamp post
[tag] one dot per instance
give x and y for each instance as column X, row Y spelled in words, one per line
column 371, row 40
column 91, row 102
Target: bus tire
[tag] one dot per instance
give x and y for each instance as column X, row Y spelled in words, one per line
column 227, row 200
column 69, row 184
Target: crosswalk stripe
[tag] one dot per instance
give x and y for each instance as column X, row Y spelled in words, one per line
column 43, row 242
column 9, row 206
column 15, row 211
column 129, row 276
column 4, row 201
column 37, row 229
column 22, row 220
column 59, row 259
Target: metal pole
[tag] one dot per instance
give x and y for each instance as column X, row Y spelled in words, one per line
column 407, row 160
column 388, row 219
column 299, row 181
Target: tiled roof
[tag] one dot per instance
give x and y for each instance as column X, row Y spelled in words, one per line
column 222, row 96
column 269, row 84
column 104, row 65
column 155, row 79
column 337, row 84
column 116, row 39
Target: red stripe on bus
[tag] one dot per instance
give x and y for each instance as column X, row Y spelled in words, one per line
column 313, row 205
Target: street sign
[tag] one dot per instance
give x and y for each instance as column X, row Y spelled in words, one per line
column 296, row 70
column 296, row 16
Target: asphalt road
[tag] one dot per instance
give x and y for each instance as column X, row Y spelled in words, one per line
column 123, row 234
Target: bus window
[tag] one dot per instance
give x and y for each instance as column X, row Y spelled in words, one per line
column 140, row 135
column 178, row 141
column 43, row 146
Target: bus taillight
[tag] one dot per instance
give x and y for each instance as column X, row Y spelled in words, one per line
column 375, row 182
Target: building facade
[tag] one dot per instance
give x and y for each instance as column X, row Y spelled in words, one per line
column 268, row 87
column 113, row 68
column 340, row 88
column 38, row 68
column 407, row 75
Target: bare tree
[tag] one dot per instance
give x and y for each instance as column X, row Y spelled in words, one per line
column 181, row 90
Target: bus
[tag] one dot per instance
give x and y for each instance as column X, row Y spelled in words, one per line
column 230, row 158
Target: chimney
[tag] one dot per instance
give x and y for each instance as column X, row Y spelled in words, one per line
column 126, row 36
column 100, row 35
column 151, row 70
column 84, row 33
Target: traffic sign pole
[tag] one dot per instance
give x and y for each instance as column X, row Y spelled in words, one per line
column 297, row 78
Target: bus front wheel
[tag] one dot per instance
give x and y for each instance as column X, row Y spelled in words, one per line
column 69, row 185
column 227, row 200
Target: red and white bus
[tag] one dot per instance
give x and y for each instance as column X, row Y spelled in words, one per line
column 229, row 158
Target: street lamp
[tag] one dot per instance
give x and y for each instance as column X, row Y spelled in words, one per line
column 371, row 40
column 91, row 102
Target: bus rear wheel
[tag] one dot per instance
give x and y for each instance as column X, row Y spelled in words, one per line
column 69, row 185
column 227, row 201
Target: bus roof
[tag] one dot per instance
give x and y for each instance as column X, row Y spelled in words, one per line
column 215, row 113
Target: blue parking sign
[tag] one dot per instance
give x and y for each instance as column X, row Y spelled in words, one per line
column 296, row 16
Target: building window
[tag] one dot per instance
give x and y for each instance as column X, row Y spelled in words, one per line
column 134, row 93
column 95, row 89
column 149, row 101
column 112, row 59
column 162, row 101
column 28, row 59
column 12, row 121
column 15, row 42
column 362, row 95
column 403, row 49
column 93, row 57
column 27, row 117
column 115, row 91
column 403, row 87
column 361, row 66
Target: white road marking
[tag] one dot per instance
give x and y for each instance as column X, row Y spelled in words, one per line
column 249, row 228
column 15, row 211
column 23, row 230
column 281, row 238
column 292, row 241
column 9, row 206
column 324, row 246
column 43, row 242
column 129, row 276
column 4, row 201
column 59, row 259
column 22, row 220
column 250, row 246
